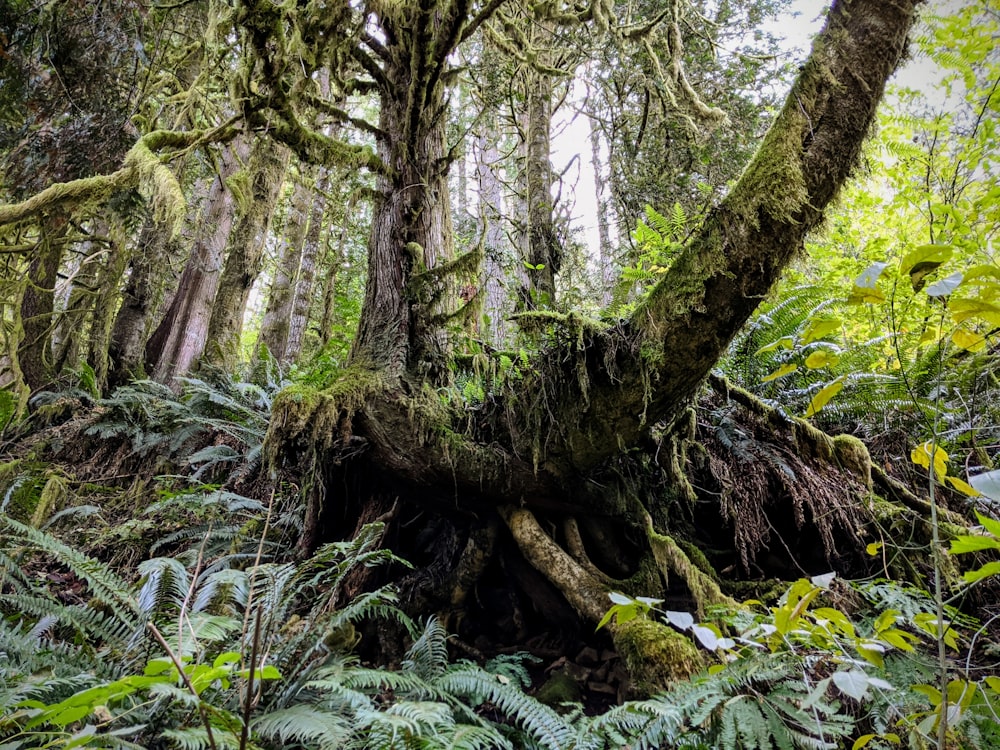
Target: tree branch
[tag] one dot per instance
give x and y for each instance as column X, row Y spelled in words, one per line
column 604, row 390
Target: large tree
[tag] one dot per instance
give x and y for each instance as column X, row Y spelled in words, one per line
column 540, row 478
column 539, row 456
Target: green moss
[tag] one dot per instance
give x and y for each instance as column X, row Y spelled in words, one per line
column 853, row 455
column 560, row 688
column 655, row 655
column 51, row 498
column 698, row 559
column 672, row 560
column 773, row 183
column 316, row 417
column 19, row 489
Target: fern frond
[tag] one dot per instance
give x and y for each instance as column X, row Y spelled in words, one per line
column 163, row 580
column 427, row 657
column 104, row 584
column 303, row 724
column 537, row 720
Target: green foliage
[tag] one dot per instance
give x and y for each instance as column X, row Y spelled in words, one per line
column 804, row 674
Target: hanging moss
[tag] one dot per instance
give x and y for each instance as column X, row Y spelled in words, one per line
column 158, row 184
column 672, row 560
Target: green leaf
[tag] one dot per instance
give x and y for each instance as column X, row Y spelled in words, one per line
column 853, row 683
column 991, row 525
column 989, row 569
column 964, row 543
column 822, row 398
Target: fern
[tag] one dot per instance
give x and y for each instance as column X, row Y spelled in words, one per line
column 305, row 724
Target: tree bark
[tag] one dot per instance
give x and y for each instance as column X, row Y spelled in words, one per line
column 305, row 283
column 275, row 329
column 496, row 306
column 179, row 339
column 151, row 281
column 244, row 259
column 544, row 255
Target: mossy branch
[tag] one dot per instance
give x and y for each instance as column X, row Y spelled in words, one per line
column 142, row 168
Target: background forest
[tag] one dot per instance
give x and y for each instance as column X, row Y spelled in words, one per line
column 358, row 392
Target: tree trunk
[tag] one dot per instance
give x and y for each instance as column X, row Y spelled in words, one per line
column 102, row 318
column 35, row 348
column 544, row 253
column 333, row 267
column 496, row 305
column 151, row 280
column 603, row 226
column 245, row 256
column 275, row 329
column 411, row 232
column 179, row 339
column 304, row 284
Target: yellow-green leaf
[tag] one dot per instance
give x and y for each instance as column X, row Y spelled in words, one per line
column 963, row 487
column 874, row 548
column 779, row 373
column 974, row 307
column 822, row 358
column 925, row 258
column 819, row 328
column 989, row 569
column 898, row 638
column 921, row 456
column 968, row 340
column 822, row 398
column 865, row 296
column 785, row 342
